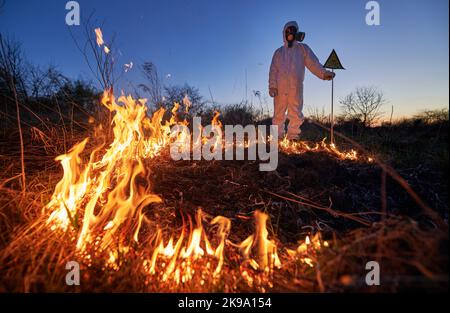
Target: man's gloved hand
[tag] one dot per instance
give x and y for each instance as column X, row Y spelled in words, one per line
column 329, row 75
column 273, row 92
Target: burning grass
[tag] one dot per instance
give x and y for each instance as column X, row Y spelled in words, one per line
column 138, row 221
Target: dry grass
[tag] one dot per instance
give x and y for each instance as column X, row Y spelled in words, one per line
column 309, row 193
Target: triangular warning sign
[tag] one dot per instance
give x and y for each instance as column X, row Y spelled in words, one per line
column 333, row 62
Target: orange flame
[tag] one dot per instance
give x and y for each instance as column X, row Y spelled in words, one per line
column 101, row 200
column 181, row 255
column 298, row 147
column 266, row 251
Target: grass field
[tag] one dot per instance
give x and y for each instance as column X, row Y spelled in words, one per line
column 351, row 211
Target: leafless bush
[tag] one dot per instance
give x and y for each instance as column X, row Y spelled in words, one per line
column 432, row 116
column 363, row 104
column 176, row 93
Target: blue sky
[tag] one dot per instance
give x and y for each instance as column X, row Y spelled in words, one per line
column 212, row 44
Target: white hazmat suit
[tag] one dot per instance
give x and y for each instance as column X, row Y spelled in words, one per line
column 286, row 75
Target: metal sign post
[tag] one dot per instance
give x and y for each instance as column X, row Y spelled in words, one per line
column 332, row 106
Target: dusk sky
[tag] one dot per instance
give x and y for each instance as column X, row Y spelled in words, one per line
column 211, row 44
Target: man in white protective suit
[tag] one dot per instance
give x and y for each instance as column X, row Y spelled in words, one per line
column 286, row 76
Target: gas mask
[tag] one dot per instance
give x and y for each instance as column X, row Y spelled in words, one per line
column 300, row 36
column 292, row 34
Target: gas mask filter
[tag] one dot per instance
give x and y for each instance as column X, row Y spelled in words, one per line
column 292, row 34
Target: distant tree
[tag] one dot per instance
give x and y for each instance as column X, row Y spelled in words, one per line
column 432, row 116
column 363, row 104
column 13, row 69
column 239, row 114
column 80, row 94
column 45, row 82
column 174, row 94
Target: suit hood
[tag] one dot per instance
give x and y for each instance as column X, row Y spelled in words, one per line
column 288, row 24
